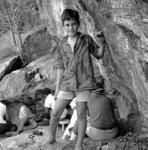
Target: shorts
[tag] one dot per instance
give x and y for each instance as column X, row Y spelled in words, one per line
column 99, row 134
column 81, row 96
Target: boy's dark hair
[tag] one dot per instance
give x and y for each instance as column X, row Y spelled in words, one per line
column 69, row 14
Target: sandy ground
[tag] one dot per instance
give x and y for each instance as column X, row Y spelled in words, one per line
column 23, row 141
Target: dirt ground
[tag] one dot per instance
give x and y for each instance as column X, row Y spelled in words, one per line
column 25, row 141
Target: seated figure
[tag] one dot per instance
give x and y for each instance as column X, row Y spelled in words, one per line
column 26, row 121
column 101, row 124
column 5, row 124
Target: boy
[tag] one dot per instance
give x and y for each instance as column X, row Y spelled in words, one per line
column 75, row 75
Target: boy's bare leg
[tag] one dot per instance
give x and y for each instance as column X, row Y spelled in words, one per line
column 55, row 116
column 82, row 108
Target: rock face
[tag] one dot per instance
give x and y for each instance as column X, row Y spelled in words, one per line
column 38, row 47
column 38, row 44
column 9, row 64
column 124, row 24
column 37, row 75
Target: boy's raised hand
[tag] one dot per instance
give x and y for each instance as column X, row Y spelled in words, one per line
column 99, row 36
column 98, row 33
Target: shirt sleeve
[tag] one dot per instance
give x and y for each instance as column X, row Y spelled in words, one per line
column 93, row 47
column 49, row 101
column 59, row 59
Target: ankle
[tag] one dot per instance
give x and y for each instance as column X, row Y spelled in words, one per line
column 79, row 146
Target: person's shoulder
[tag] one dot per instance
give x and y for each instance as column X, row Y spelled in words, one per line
column 85, row 36
column 50, row 95
column 61, row 42
column 24, row 108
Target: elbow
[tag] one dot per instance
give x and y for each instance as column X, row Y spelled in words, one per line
column 100, row 54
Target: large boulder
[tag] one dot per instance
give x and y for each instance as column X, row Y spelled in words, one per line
column 37, row 75
column 7, row 48
column 38, row 44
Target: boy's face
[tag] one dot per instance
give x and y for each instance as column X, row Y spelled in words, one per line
column 71, row 27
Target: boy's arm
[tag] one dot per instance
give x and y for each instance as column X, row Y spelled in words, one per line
column 7, row 117
column 59, row 67
column 58, row 81
column 97, row 48
column 21, row 124
column 100, row 52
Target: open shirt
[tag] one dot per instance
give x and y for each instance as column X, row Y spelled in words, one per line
column 77, row 65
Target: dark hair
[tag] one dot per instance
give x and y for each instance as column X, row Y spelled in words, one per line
column 44, row 91
column 69, row 14
column 27, row 100
column 5, row 102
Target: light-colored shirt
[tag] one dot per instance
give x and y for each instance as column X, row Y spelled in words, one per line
column 50, row 103
column 25, row 112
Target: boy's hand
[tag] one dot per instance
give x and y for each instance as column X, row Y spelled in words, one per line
column 99, row 37
column 98, row 33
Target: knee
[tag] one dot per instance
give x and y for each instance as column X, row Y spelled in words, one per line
column 13, row 127
column 55, row 114
column 81, row 115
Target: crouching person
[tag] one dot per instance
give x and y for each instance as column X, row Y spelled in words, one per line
column 102, row 123
column 25, row 117
column 5, row 124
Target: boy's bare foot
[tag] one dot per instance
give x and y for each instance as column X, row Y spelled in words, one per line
column 79, row 147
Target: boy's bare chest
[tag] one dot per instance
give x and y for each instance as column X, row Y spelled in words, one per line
column 71, row 43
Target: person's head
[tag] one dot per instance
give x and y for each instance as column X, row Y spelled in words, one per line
column 71, row 21
column 41, row 93
column 27, row 100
